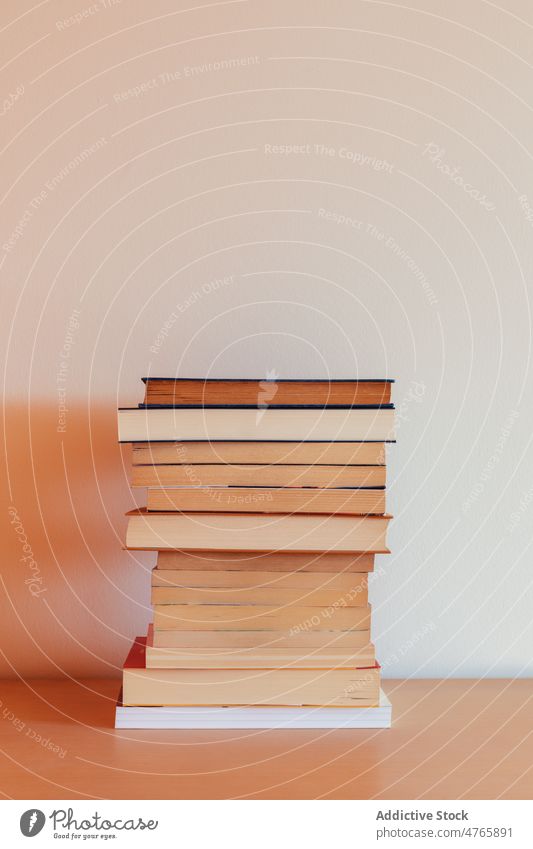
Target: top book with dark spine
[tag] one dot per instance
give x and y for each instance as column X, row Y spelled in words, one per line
column 193, row 392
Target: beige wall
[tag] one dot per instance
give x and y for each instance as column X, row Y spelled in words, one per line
column 310, row 189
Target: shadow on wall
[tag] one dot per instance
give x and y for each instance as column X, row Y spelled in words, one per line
column 73, row 598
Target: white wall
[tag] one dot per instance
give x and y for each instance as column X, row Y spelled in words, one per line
column 413, row 122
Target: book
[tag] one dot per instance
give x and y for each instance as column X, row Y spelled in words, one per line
column 257, row 393
column 241, row 579
column 254, row 717
column 255, row 657
column 299, row 637
column 266, row 504
column 284, row 597
column 160, row 658
column 181, row 424
column 260, row 532
column 358, row 687
column 270, row 561
column 266, row 500
column 284, row 453
column 268, row 476
column 259, row 617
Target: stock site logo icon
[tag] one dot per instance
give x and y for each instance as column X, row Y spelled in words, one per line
column 32, row 822
column 267, row 390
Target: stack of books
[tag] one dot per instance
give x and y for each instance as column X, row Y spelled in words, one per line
column 266, row 506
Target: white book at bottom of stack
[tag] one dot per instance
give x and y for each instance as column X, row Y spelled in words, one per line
column 254, row 717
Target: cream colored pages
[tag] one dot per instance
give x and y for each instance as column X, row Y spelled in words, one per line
column 147, row 425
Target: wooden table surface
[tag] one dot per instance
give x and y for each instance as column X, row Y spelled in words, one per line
column 450, row 739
